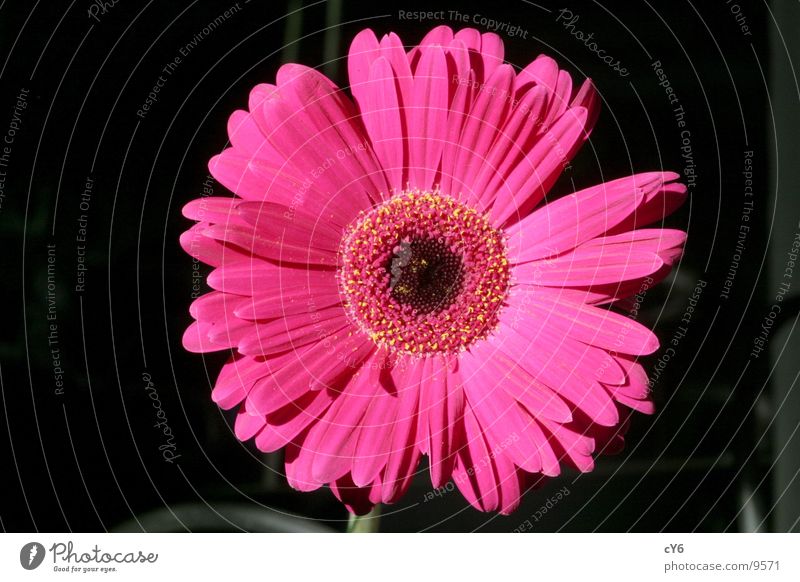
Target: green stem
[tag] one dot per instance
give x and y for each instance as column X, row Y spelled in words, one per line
column 367, row 523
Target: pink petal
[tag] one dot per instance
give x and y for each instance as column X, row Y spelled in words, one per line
column 427, row 119
column 235, row 380
column 293, row 331
column 570, row 221
column 420, row 378
column 325, row 364
column 591, row 325
column 443, row 414
column 471, row 39
column 318, row 104
column 511, row 144
column 655, row 240
column 260, row 95
column 288, row 301
column 542, row 361
column 510, row 480
column 374, row 437
column 298, row 464
column 571, row 446
column 543, row 71
column 195, row 339
column 212, row 209
column 392, row 49
column 256, row 276
column 618, row 293
column 560, row 98
column 591, row 362
column 586, row 97
column 293, row 226
column 550, row 459
column 457, row 117
column 246, row 137
column 217, row 309
column 285, row 424
column 439, row 36
column 487, row 115
column 256, row 179
column 589, row 266
column 504, row 425
column 538, row 398
column 474, row 473
column 662, row 198
column 334, row 437
column 247, row 425
column 643, row 406
column 314, row 128
column 538, row 171
column 404, row 455
column 628, row 252
column 363, row 51
column 512, row 429
column 458, row 65
column 380, row 110
column 228, row 332
column 636, row 382
column 272, row 245
column 213, row 306
column 492, row 53
column 208, row 250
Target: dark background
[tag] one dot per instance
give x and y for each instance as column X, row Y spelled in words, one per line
column 88, row 459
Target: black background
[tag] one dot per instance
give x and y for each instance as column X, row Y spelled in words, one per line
column 88, row 459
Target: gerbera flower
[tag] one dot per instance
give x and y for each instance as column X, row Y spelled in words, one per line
column 391, row 285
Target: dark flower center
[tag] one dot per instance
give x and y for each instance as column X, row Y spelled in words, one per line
column 425, row 275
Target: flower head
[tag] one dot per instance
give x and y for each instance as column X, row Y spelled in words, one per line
column 390, row 284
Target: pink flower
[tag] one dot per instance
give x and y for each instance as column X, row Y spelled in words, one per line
column 390, row 285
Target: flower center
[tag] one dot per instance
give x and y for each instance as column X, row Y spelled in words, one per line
column 423, row 274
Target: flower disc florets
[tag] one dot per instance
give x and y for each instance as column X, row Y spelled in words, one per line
column 422, row 273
